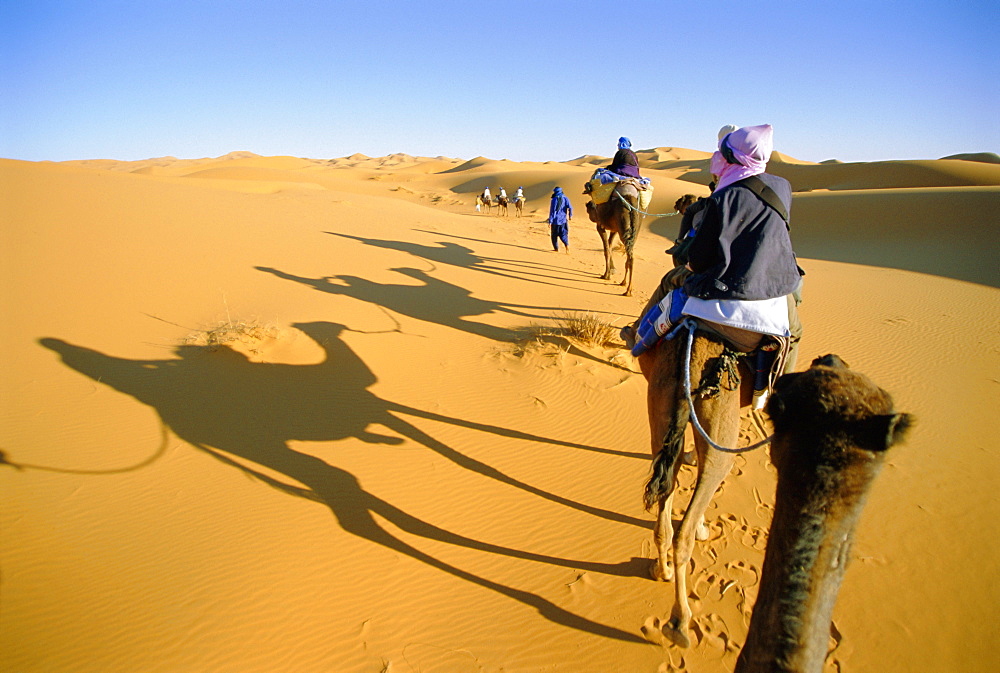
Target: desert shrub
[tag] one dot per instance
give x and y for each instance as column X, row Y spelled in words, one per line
column 587, row 328
column 248, row 333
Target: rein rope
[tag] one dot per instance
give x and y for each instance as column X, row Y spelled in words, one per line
column 691, row 326
column 641, row 212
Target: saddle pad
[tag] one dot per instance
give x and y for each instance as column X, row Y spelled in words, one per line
column 645, row 197
column 600, row 193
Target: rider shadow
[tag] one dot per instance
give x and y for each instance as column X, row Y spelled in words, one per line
column 245, row 414
column 553, row 267
column 453, row 254
column 434, row 300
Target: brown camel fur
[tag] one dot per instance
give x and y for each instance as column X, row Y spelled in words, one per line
column 481, row 200
column 502, row 205
column 719, row 392
column 832, row 428
column 615, row 218
column 518, row 206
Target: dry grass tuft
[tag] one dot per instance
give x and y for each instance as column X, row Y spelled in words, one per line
column 247, row 333
column 587, row 328
column 555, row 341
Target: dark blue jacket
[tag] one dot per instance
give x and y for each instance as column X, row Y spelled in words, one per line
column 625, row 162
column 742, row 249
column 559, row 207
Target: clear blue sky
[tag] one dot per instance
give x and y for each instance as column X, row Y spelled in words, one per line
column 527, row 81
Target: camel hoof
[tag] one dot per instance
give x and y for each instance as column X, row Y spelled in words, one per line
column 676, row 635
column 627, row 293
column 661, row 573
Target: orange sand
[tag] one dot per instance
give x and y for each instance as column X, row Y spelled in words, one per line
column 387, row 472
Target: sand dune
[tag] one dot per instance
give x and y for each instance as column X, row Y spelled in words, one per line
column 888, row 175
column 985, row 157
column 277, row 413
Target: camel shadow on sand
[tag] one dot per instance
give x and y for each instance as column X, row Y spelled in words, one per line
column 245, row 413
column 434, row 301
column 454, row 254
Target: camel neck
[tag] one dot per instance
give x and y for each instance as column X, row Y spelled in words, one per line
column 808, row 549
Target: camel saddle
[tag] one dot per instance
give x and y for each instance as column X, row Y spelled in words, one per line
column 601, row 187
column 763, row 354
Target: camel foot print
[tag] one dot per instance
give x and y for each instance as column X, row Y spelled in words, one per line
column 652, row 630
column 675, row 634
column 660, row 573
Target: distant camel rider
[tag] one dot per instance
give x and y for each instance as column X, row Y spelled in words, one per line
column 503, row 193
column 519, row 194
column 486, row 194
column 625, row 161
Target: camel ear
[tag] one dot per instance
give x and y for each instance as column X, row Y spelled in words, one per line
column 830, row 360
column 878, row 433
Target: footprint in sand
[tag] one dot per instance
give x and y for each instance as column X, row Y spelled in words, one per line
column 712, row 631
column 667, row 667
column 738, row 466
column 763, row 509
column 743, row 576
column 702, row 585
column 753, row 537
column 652, row 630
column 742, row 571
column 716, row 530
column 675, row 663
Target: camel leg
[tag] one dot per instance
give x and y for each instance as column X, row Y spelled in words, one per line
column 625, row 278
column 609, row 265
column 628, row 275
column 663, row 538
column 713, row 467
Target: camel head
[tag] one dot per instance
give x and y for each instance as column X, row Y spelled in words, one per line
column 830, row 400
column 681, row 204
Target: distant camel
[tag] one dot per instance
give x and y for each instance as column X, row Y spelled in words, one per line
column 484, row 202
column 832, row 428
column 518, row 206
column 719, row 393
column 502, row 205
column 620, row 216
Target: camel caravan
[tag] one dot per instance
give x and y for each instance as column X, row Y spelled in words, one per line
column 484, row 202
column 832, row 426
column 717, row 343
